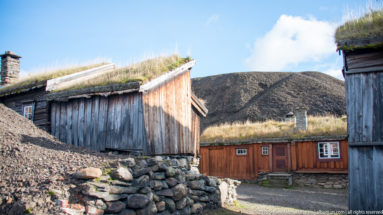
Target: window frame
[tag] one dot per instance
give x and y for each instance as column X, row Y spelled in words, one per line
column 31, row 107
column 240, row 154
column 329, row 150
column 265, row 147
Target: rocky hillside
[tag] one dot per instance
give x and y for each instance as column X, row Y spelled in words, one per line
column 259, row 96
column 35, row 167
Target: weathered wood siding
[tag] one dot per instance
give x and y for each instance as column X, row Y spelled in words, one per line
column 222, row 161
column 195, row 132
column 99, row 123
column 304, row 158
column 364, row 98
column 168, row 117
column 36, row 97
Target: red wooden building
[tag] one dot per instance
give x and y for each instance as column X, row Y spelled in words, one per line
column 246, row 160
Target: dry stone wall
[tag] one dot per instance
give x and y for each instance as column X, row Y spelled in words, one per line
column 148, row 185
column 334, row 181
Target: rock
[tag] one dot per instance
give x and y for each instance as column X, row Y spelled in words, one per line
column 171, row 182
column 163, row 167
column 196, row 208
column 174, row 162
column 90, row 210
column 164, row 185
column 150, row 195
column 127, row 212
column 142, row 181
column 170, row 205
column 189, row 201
column 156, row 185
column 194, row 170
column 165, row 192
column 145, row 190
column 197, row 185
column 142, row 163
column 122, row 190
column 105, row 196
column 100, row 204
column 88, row 173
column 152, row 161
column 122, row 173
column 210, row 189
column 183, row 163
column 204, row 198
column 151, row 209
column 137, row 201
column 338, row 186
column 180, row 191
column 143, row 171
column 120, row 183
column 327, row 186
column 160, row 206
column 197, row 192
column 129, row 162
column 211, row 182
column 115, row 207
column 181, row 203
column 223, row 188
column 156, row 198
column 159, row 176
column 170, row 172
column 155, row 168
column 214, row 197
column 186, row 210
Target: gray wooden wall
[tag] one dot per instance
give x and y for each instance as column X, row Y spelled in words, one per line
column 99, row 123
column 364, row 97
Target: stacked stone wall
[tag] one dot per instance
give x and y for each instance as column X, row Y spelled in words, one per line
column 334, row 181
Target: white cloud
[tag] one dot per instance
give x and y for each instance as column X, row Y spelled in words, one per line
column 291, row 41
column 212, row 19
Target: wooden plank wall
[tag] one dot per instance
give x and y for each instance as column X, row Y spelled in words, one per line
column 304, row 158
column 41, row 110
column 114, row 122
column 195, row 132
column 222, row 161
column 168, row 117
column 364, row 99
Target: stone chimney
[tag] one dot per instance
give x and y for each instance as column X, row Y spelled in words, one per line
column 10, row 67
column 301, row 118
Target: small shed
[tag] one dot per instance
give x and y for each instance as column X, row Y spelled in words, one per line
column 147, row 107
column 361, row 42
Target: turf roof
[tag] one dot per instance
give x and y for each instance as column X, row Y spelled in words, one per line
column 141, row 72
column 365, row 32
column 39, row 80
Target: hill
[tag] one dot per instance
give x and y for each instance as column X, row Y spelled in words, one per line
column 260, row 96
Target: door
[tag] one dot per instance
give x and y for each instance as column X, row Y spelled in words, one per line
column 280, row 158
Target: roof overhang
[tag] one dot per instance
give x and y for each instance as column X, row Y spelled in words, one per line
column 197, row 104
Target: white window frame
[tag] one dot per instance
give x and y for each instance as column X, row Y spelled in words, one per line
column 330, row 150
column 265, row 150
column 28, row 111
column 241, row 151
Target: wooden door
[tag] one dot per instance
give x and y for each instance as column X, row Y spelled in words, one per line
column 280, row 158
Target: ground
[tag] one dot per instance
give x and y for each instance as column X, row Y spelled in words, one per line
column 254, row 199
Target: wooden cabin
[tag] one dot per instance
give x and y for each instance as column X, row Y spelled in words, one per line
column 159, row 116
column 361, row 43
column 247, row 159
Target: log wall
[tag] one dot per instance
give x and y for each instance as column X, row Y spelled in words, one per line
column 99, row 123
column 168, row 117
column 37, row 98
column 364, row 99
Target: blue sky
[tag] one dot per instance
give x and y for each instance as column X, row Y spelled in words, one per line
column 223, row 36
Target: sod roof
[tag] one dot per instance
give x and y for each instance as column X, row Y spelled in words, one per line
column 365, row 32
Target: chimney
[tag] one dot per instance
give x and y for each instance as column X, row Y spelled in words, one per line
column 10, row 67
column 301, row 118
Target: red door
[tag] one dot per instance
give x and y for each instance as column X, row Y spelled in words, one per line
column 280, row 158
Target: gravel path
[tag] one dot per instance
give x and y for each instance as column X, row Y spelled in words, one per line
column 254, row 199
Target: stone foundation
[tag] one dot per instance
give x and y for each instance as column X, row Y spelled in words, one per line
column 148, row 185
column 334, row 181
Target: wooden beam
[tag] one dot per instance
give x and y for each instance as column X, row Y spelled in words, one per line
column 271, row 157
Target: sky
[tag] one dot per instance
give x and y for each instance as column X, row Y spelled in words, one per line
column 222, row 36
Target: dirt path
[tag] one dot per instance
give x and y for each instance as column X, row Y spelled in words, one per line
column 254, row 199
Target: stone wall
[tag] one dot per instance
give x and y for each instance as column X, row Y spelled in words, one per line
column 147, row 185
column 335, row 181
column 10, row 67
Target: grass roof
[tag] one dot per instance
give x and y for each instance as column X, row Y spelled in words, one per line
column 368, row 28
column 140, row 72
column 241, row 131
column 41, row 78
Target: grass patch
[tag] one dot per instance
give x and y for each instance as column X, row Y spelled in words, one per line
column 51, row 193
column 28, row 211
column 239, row 131
column 142, row 72
column 36, row 79
column 368, row 26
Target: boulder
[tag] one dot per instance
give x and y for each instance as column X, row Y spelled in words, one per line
column 115, row 207
column 165, row 192
column 180, row 191
column 171, row 182
column 88, row 173
column 170, row 205
column 143, row 171
column 151, row 209
column 127, row 212
column 181, row 204
column 160, row 206
column 196, row 208
column 137, row 201
column 197, row 185
column 122, row 173
column 122, row 190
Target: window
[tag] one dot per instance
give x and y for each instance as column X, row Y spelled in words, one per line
column 265, row 150
column 328, row 150
column 241, row 151
column 28, row 111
